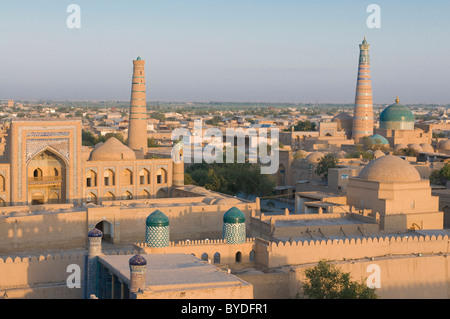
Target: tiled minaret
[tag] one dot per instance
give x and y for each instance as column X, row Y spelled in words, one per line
column 137, row 130
column 363, row 113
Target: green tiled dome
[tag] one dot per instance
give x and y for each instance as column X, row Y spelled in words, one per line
column 397, row 113
column 157, row 219
column 378, row 139
column 234, row 216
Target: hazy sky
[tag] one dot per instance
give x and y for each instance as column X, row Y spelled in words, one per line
column 247, row 50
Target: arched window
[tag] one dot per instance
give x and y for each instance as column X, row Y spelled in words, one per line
column 109, row 196
column 37, row 173
column 251, row 257
column 161, row 176
column 144, row 177
column 217, row 258
column 91, row 179
column 205, row 256
column 109, row 179
column 53, row 198
column 91, row 198
column 144, row 194
column 127, row 195
column 126, row 178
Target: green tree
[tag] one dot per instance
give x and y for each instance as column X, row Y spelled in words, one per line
column 214, row 121
column 325, row 281
column 87, row 138
column 107, row 136
column 188, row 179
column 151, row 142
column 305, row 126
column 440, row 176
column 326, row 162
column 158, row 116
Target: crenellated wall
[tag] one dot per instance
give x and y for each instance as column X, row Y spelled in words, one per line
column 310, row 251
column 40, row 276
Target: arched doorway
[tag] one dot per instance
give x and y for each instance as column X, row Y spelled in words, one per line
column 46, row 178
column 107, row 229
column 37, row 199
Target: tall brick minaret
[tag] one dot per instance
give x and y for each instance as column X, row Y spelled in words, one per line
column 137, row 130
column 363, row 112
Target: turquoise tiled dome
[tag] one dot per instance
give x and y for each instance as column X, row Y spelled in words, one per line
column 157, row 218
column 234, row 216
column 378, row 139
column 234, row 226
column 396, row 116
column 157, row 230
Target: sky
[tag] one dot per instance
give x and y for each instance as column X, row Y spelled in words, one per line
column 225, row 50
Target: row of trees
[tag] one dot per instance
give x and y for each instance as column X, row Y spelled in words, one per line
column 89, row 139
column 231, row 178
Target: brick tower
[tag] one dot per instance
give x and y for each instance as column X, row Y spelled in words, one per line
column 137, row 130
column 363, row 113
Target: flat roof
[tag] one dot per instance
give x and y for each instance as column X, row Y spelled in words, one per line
column 176, row 271
column 317, row 222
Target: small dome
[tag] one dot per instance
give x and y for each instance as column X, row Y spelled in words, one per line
column 415, row 147
column 157, row 219
column 378, row 139
column 400, row 146
column 112, row 150
column 138, row 58
column 314, row 157
column 137, row 260
column 95, row 233
column 444, row 145
column 427, row 147
column 301, row 154
column 389, row 168
column 234, row 216
column 378, row 154
column 342, row 116
column 226, row 201
column 397, row 116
